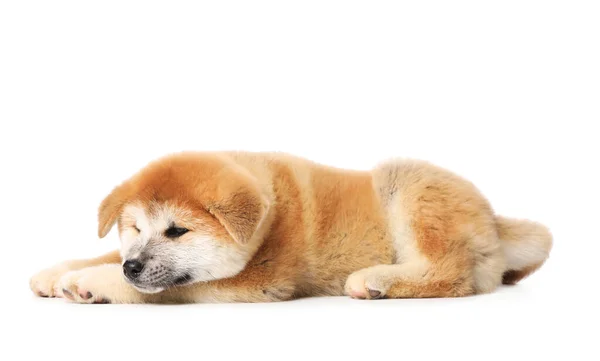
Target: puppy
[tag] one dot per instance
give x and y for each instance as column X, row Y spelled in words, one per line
column 262, row 227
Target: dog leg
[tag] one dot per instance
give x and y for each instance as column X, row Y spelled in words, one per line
column 44, row 283
column 106, row 284
column 405, row 281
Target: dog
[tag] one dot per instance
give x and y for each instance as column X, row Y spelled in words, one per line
column 264, row 227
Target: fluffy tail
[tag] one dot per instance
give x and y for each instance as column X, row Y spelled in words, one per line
column 526, row 247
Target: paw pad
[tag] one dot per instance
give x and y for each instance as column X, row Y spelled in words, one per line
column 374, row 294
column 68, row 294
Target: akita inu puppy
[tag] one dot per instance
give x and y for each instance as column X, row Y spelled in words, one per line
column 260, row 227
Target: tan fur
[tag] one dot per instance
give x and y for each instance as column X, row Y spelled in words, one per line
column 527, row 245
column 405, row 229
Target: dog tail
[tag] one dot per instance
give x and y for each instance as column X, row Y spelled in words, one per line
column 526, row 246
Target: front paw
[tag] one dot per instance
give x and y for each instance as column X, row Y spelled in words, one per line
column 99, row 284
column 44, row 283
column 369, row 283
column 80, row 286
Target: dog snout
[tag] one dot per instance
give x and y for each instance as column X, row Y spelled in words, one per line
column 132, row 268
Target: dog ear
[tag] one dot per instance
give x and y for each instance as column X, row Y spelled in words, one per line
column 111, row 208
column 239, row 206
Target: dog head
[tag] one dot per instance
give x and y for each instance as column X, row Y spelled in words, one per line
column 185, row 218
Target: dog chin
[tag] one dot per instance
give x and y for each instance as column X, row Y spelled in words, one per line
column 148, row 289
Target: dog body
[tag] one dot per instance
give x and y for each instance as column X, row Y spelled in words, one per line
column 260, row 227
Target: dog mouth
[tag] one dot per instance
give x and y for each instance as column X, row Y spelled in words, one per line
column 155, row 286
column 182, row 280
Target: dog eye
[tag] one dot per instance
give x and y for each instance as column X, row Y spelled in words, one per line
column 174, row 232
column 137, row 229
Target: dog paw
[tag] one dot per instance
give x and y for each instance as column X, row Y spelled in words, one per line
column 99, row 284
column 367, row 284
column 85, row 286
column 44, row 283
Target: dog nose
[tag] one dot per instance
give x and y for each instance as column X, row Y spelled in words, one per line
column 132, row 268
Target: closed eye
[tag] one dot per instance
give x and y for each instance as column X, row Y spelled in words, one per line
column 136, row 229
column 174, row 232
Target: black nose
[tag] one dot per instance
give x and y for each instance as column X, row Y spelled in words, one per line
column 132, row 268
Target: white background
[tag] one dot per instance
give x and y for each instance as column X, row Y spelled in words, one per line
column 505, row 93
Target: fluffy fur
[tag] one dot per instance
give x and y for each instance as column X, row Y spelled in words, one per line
column 271, row 227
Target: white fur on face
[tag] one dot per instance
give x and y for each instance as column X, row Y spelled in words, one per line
column 194, row 257
column 131, row 241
